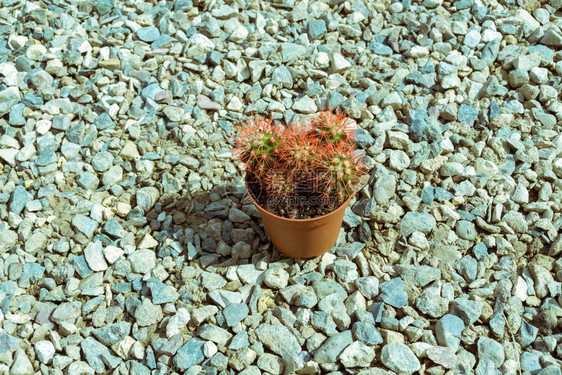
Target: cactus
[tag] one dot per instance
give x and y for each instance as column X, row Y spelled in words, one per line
column 257, row 144
column 315, row 160
column 280, row 184
column 333, row 127
column 299, row 149
column 340, row 170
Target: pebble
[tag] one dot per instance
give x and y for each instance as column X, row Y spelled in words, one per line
column 357, row 355
column 94, row 256
column 21, row 364
column 448, row 331
column 393, row 292
column 190, row 354
column 142, row 261
column 400, row 358
column 45, row 351
column 489, row 349
column 330, row 350
column 416, row 222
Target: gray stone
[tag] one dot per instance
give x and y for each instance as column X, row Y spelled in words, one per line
column 98, row 355
column 142, row 261
column 8, row 239
column 467, row 114
column 113, row 176
column 66, row 312
column 551, row 38
column 431, row 303
column 416, row 222
column 112, row 333
column 239, row 341
column 84, row 224
column 357, row 355
column 190, row 354
column 102, row 161
column 323, row 321
column 147, row 313
column 516, row 221
column 16, row 115
column 160, row 292
column 278, row 339
column 276, row 278
column 31, row 273
column 305, row 105
column 448, row 331
column 94, row 256
column 8, row 343
column 114, row 229
column 331, row 349
column 214, row 333
column 442, row 356
column 21, row 365
column 368, row 286
column 492, row 350
column 316, row 28
column 385, row 188
column 235, row 313
column 20, row 197
column 270, row 363
column 282, row 77
column 147, row 197
column 35, row 242
column 345, row 270
column 8, row 98
column 45, row 351
column 367, row 333
column 468, row 267
column 550, row 370
column 466, row 230
column 527, row 334
column 237, row 216
column 418, row 275
column 148, row 34
column 46, row 157
column 400, row 358
column 468, row 310
column 393, row 293
column 398, row 160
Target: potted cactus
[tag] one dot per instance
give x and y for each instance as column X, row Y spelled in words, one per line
column 301, row 178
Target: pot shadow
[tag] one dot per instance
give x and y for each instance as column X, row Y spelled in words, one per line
column 214, row 231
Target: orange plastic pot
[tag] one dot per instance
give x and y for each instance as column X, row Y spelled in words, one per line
column 302, row 238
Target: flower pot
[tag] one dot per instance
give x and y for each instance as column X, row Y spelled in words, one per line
column 302, row 238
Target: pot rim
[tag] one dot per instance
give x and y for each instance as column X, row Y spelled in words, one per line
column 343, row 205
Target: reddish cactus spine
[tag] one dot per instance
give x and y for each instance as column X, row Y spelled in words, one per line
column 318, row 159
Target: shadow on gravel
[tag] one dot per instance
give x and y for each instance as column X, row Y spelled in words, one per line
column 219, row 228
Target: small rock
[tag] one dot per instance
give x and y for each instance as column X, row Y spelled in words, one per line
column 400, row 358
column 448, row 331
column 21, row 365
column 416, row 221
column 45, row 351
column 142, row 261
column 331, row 349
column 393, row 293
column 276, row 278
column 94, row 256
column 385, row 188
column 492, row 350
column 357, row 355
column 147, row 313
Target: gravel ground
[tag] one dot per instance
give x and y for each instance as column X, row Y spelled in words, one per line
column 128, row 245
